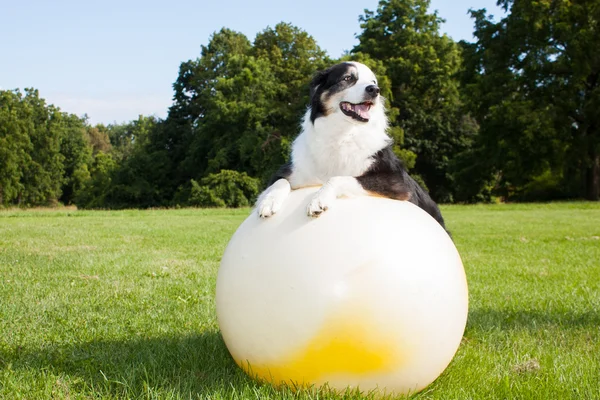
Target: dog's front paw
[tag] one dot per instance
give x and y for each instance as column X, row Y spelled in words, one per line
column 320, row 203
column 268, row 207
column 271, row 200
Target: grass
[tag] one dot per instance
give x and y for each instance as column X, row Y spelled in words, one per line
column 121, row 305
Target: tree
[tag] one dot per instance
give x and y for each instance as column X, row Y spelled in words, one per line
column 43, row 151
column 14, row 146
column 131, row 173
column 98, row 139
column 32, row 169
column 422, row 65
column 180, row 139
column 239, row 105
column 43, row 174
column 77, row 155
column 535, row 78
column 94, row 192
column 141, row 178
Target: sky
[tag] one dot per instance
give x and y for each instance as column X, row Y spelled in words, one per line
column 116, row 59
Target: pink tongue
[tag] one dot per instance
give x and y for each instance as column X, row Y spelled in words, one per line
column 362, row 110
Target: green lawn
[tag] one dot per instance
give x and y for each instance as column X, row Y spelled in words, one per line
column 121, row 305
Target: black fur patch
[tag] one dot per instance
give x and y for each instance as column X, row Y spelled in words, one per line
column 326, row 83
column 283, row 172
column 388, row 177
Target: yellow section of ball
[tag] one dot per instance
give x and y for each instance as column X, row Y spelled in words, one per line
column 349, row 343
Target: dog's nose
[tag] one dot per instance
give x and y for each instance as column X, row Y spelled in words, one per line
column 372, row 90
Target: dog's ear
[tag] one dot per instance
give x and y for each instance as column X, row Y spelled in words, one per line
column 318, row 79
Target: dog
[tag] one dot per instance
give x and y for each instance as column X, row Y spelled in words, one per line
column 344, row 147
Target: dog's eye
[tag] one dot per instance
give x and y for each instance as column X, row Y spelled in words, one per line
column 348, row 78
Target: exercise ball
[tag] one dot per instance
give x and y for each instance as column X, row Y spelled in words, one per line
column 370, row 296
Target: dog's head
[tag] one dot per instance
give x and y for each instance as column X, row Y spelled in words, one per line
column 348, row 90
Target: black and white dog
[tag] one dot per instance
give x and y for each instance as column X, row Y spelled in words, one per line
column 344, row 147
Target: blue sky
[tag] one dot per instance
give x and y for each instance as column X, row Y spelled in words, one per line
column 115, row 59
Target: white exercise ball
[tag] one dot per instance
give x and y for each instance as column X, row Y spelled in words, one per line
column 371, row 295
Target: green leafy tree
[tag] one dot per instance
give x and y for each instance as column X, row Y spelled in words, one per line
column 236, row 116
column 44, row 153
column 33, row 166
column 77, row 155
column 124, row 138
column 135, row 175
column 180, row 140
column 239, row 105
column 535, row 81
column 422, row 65
column 94, row 193
column 14, row 146
column 43, row 175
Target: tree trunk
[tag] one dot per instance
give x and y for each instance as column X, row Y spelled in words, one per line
column 593, row 178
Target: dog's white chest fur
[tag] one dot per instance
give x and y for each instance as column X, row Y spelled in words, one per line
column 334, row 146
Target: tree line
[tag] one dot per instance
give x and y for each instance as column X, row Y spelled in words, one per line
column 513, row 115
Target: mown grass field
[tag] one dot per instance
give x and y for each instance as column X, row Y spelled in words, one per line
column 121, row 305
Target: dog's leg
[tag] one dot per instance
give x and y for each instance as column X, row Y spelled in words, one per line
column 271, row 200
column 338, row 186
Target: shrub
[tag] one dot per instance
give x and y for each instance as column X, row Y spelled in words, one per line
column 225, row 189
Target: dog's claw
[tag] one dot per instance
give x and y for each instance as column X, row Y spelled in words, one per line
column 317, row 206
column 315, row 213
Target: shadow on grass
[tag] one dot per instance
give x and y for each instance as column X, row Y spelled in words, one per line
column 184, row 366
column 189, row 366
column 531, row 319
column 178, row 367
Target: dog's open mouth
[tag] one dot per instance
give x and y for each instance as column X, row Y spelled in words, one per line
column 359, row 112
